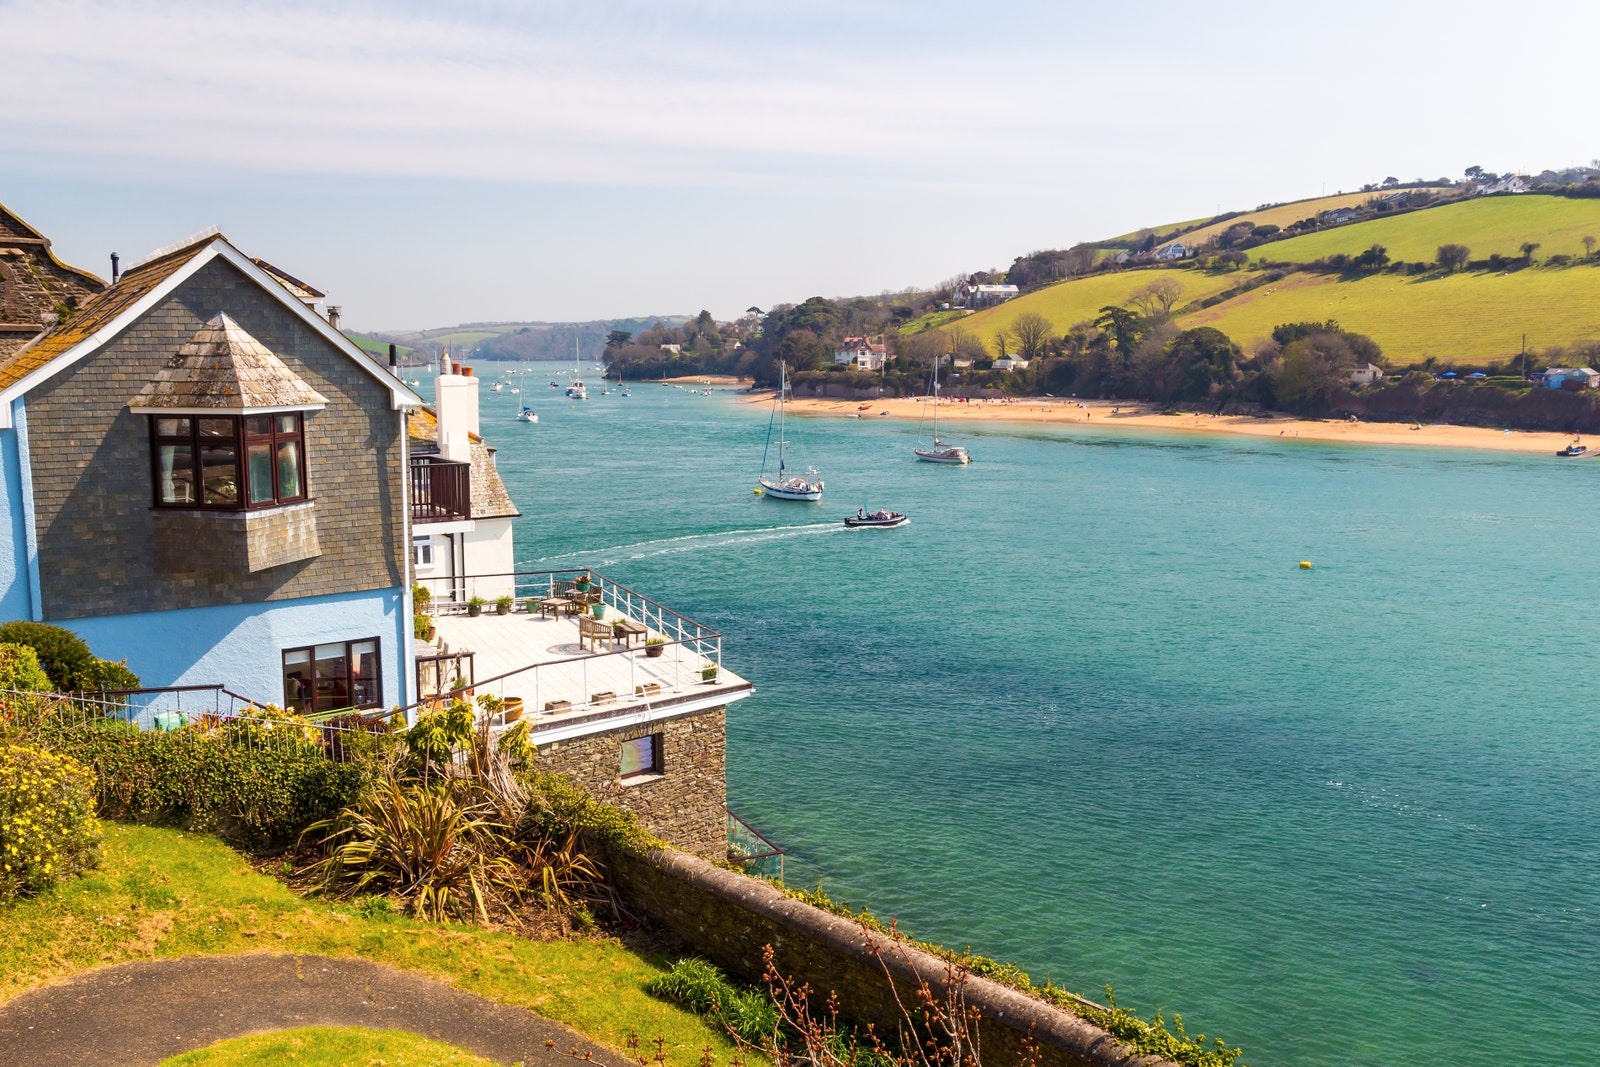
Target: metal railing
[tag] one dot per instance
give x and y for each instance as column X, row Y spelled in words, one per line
column 441, row 489
column 687, row 649
column 752, row 849
column 209, row 711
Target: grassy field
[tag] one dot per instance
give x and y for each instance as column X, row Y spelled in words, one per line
column 1467, row 316
column 1069, row 303
column 1493, row 224
column 165, row 893
column 1281, row 215
column 330, row 1046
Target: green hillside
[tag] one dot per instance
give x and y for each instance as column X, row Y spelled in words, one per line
column 1493, row 224
column 1280, row 216
column 1470, row 316
column 1066, row 304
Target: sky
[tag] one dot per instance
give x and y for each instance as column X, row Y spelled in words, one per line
column 430, row 164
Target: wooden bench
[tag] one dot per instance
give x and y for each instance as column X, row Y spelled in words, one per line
column 592, row 631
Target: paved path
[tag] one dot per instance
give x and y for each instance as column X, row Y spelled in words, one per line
column 142, row 1013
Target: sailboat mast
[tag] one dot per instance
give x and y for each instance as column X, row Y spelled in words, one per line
column 783, row 376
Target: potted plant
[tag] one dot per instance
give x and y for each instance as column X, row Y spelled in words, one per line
column 599, row 610
column 502, row 605
column 582, row 582
column 654, row 646
column 709, row 673
column 475, row 606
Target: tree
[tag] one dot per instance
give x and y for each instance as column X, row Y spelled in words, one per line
column 1588, row 245
column 1474, row 174
column 1206, row 358
column 1528, row 249
column 1002, row 338
column 1032, row 332
column 1453, row 257
column 1121, row 325
column 618, row 338
column 1374, row 259
column 1155, row 300
column 1391, row 181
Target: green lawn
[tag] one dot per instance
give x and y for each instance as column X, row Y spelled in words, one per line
column 165, row 893
column 1467, row 316
column 1280, row 216
column 1493, row 224
column 1069, row 303
column 330, row 1046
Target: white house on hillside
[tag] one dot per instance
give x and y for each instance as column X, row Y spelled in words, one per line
column 861, row 352
column 977, row 296
column 1009, row 362
column 1176, row 250
column 1365, row 374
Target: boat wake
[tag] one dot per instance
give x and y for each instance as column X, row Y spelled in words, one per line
column 699, row 542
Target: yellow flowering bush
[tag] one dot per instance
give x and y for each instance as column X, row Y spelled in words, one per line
column 48, row 830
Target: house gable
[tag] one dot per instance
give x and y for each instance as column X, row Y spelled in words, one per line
column 99, row 545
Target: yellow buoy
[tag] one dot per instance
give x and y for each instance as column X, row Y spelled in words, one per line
column 1305, row 564
column 758, row 492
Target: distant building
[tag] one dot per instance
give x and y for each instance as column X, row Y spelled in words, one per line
column 1365, row 374
column 862, row 353
column 1571, row 378
column 1342, row 214
column 1010, row 362
column 1168, row 253
column 674, row 349
column 1513, row 184
column 978, row 296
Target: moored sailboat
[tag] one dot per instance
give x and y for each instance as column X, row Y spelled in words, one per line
column 785, row 486
column 939, row 452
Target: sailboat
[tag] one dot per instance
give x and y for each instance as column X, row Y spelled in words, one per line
column 939, row 452
column 575, row 388
column 784, row 487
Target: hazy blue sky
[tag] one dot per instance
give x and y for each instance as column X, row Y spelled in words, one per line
column 437, row 163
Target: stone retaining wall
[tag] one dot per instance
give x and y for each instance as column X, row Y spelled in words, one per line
column 729, row 918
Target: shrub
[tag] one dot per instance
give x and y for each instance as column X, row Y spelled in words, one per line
column 47, row 826
column 701, row 988
column 65, row 657
column 20, row 670
column 254, row 782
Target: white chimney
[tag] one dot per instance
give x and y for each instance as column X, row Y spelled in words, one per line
column 456, row 405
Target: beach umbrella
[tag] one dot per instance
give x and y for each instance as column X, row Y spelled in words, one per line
column 1477, row 374
column 1448, row 374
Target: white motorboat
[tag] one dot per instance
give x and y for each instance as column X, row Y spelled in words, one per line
column 785, row 486
column 527, row 415
column 497, row 387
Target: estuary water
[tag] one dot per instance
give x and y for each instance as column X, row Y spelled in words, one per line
column 1087, row 713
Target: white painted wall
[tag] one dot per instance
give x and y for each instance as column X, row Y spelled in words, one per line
column 489, row 551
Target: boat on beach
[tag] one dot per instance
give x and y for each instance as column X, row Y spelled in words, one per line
column 1576, row 448
column 806, row 487
column 875, row 520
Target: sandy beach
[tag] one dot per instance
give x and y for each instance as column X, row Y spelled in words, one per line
column 1122, row 415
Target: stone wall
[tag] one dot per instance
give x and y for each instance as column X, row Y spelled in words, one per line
column 730, row 918
column 91, row 466
column 685, row 805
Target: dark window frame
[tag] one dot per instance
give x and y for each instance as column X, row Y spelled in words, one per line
column 240, row 440
column 349, row 674
column 658, row 763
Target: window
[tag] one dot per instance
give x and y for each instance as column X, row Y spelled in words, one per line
column 332, row 676
column 641, row 757
column 228, row 461
column 422, row 550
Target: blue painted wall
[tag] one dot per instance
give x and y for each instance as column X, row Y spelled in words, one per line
column 15, row 599
column 241, row 645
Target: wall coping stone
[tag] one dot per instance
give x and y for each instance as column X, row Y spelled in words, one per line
column 1049, row 1026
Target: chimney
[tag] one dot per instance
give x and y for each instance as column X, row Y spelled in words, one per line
column 456, row 406
column 333, row 316
column 394, row 356
column 115, row 270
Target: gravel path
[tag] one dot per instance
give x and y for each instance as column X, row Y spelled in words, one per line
column 142, row 1013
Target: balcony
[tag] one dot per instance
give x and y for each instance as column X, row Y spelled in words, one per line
column 441, row 490
column 564, row 684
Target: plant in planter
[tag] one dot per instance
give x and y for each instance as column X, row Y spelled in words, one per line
column 422, row 626
column 475, row 606
column 582, row 582
column 654, row 646
column 502, row 605
column 709, row 673
column 599, row 611
column 421, row 595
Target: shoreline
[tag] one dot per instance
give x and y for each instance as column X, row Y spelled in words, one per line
column 1130, row 415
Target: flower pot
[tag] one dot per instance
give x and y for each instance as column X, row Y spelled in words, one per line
column 654, row 651
column 474, row 610
column 502, row 609
column 599, row 611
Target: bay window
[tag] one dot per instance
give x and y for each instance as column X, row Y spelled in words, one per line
column 228, row 461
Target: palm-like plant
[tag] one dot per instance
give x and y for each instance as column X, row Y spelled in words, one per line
column 436, row 846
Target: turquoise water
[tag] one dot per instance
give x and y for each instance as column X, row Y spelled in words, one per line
column 1086, row 712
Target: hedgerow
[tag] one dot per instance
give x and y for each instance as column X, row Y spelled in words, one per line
column 48, row 831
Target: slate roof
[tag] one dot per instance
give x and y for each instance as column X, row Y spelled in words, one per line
column 224, row 368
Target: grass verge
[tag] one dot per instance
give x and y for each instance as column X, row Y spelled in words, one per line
column 330, row 1046
column 166, row 893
